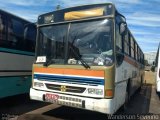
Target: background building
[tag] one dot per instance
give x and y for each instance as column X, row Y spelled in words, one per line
column 150, row 57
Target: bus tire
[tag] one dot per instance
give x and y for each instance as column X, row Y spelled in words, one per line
column 127, row 98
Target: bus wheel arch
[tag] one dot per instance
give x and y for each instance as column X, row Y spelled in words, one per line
column 142, row 80
column 141, row 83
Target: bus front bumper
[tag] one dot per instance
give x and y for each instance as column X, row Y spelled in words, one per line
column 99, row 105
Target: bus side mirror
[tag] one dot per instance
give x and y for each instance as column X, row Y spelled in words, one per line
column 123, row 28
column 119, row 58
column 153, row 67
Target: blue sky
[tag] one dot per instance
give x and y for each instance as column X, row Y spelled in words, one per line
column 143, row 16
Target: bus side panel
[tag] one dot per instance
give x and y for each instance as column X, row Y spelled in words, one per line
column 127, row 73
column 14, row 85
column 15, row 74
column 158, row 72
column 120, row 85
column 14, row 61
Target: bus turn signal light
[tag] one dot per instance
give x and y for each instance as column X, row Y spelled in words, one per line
column 109, row 93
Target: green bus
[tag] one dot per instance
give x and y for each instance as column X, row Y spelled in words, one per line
column 16, row 54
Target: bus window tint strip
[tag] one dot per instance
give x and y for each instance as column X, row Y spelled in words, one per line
column 16, row 51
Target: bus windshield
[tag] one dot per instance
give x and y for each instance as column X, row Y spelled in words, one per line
column 90, row 41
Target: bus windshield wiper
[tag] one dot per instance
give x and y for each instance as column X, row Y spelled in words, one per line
column 48, row 62
column 80, row 59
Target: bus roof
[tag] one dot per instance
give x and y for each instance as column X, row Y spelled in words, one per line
column 78, row 12
column 8, row 13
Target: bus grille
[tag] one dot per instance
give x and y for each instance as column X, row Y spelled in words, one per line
column 65, row 88
column 70, row 79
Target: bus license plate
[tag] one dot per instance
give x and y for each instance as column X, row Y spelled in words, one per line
column 51, row 97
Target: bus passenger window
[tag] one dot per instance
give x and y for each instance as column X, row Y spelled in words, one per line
column 118, row 40
column 15, row 34
column 1, row 27
column 2, row 30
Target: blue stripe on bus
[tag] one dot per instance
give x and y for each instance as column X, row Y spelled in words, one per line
column 70, row 79
column 16, row 51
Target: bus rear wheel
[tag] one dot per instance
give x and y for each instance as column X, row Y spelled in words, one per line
column 125, row 105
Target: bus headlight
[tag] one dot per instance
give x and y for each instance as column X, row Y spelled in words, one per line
column 38, row 84
column 95, row 91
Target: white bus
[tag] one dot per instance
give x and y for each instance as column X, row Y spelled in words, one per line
column 157, row 70
column 86, row 57
column 16, row 54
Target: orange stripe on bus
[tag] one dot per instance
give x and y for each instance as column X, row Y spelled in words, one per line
column 93, row 73
column 127, row 59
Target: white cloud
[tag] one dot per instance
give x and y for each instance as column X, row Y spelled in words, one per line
column 150, row 48
column 68, row 3
column 147, row 40
column 144, row 19
column 26, row 2
column 143, row 23
column 145, row 16
column 141, row 32
column 147, row 43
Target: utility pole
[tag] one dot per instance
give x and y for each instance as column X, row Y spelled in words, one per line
column 58, row 7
